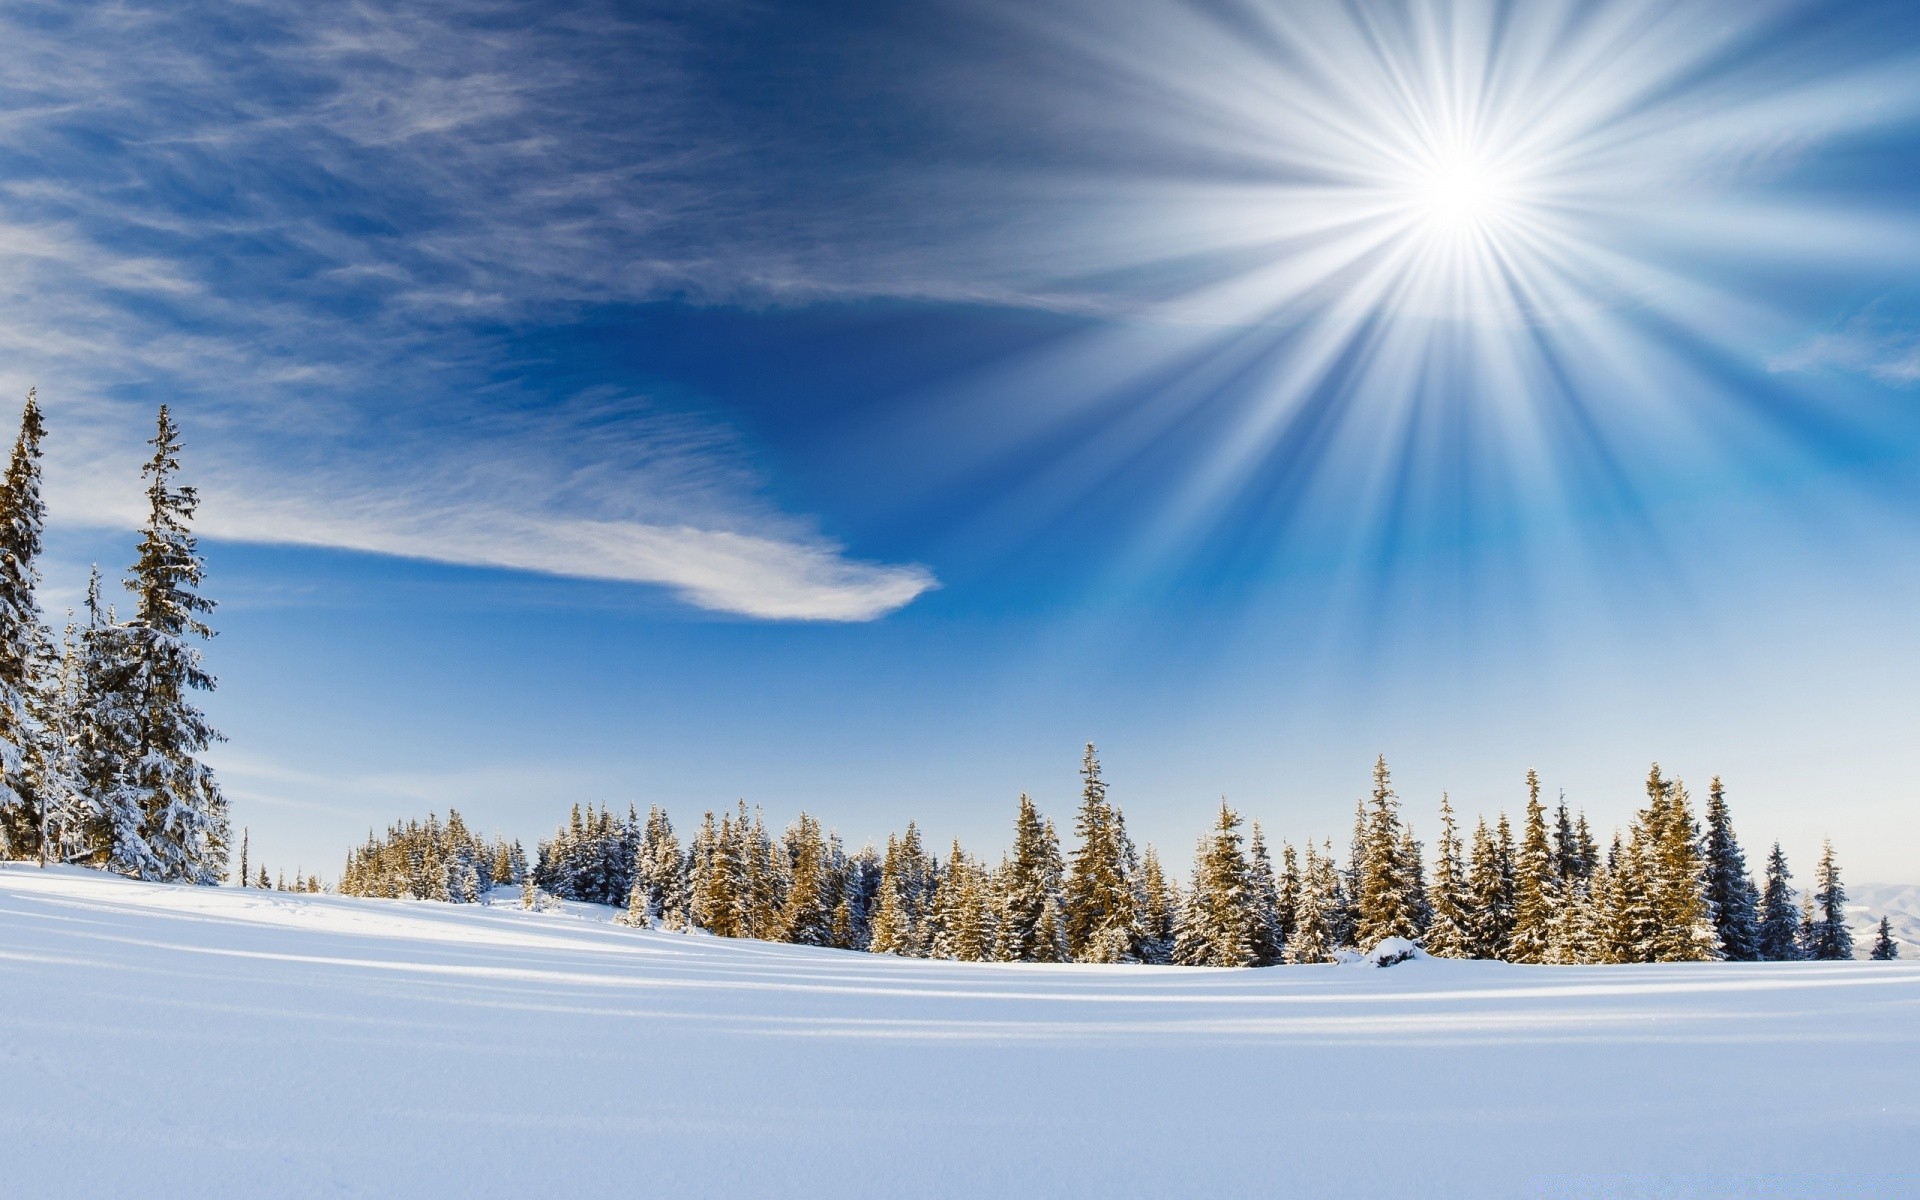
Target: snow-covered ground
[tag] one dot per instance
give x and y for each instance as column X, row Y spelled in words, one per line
column 165, row 1041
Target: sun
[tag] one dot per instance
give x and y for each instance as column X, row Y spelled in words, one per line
column 1460, row 190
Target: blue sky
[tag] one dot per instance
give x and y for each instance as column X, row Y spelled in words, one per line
column 854, row 408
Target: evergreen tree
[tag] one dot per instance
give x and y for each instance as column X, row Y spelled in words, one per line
column 1536, row 897
column 1884, row 947
column 1683, row 929
column 71, row 825
column 1032, row 926
column 1449, row 933
column 1387, row 898
column 1159, row 910
column 1216, row 926
column 963, row 926
column 1103, row 919
column 1288, row 900
column 244, row 832
column 24, row 640
column 1489, row 909
column 1315, row 938
column 1779, row 937
column 1269, row 931
column 807, row 919
column 1730, row 890
column 1828, row 938
column 183, row 814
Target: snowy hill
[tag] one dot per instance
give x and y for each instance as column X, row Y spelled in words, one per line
column 215, row 1043
column 1899, row 903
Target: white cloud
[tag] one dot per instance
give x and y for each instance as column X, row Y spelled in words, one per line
column 1864, row 347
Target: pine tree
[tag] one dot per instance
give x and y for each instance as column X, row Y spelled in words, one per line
column 1103, row 919
column 1683, row 920
column 1884, row 947
column 1779, row 937
column 184, row 816
column 1828, row 938
column 807, row 919
column 1315, row 938
column 1269, row 931
column 1489, row 907
column 1448, row 933
column 1536, row 897
column 244, row 832
column 1159, row 910
column 1386, row 896
column 24, row 642
column 71, row 827
column 1730, row 890
column 1217, row 923
column 1288, row 900
column 1031, row 926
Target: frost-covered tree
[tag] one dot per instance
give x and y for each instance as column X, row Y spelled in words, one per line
column 1102, row 901
column 1216, row 926
column 1536, row 879
column 1315, row 936
column 1159, row 910
column 1730, row 892
column 1269, row 930
column 1779, row 937
column 24, row 642
column 183, row 814
column 1387, row 899
column 1449, row 932
column 1032, row 927
column 1489, row 894
column 1885, row 949
column 1827, row 935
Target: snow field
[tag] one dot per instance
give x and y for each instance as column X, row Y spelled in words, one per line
column 218, row 1042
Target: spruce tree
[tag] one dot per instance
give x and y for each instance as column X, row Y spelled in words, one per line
column 24, row 642
column 244, row 832
column 1386, row 897
column 1269, row 930
column 1884, row 947
column 807, row 919
column 1159, row 910
column 1217, row 922
column 1779, row 937
column 184, row 816
column 1449, row 932
column 1103, row 919
column 1536, row 877
column 1489, row 915
column 1683, row 919
column 1031, row 927
column 1828, row 938
column 1730, row 890
column 1315, row 938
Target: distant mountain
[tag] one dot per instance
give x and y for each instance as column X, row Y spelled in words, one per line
column 1898, row 902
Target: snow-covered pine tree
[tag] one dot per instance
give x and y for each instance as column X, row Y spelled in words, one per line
column 24, row 642
column 1217, row 922
column 1288, row 884
column 1159, row 910
column 1489, row 910
column 1031, row 926
column 807, row 918
column 1735, row 901
column 184, row 815
column 1827, row 935
column 1683, row 920
column 1448, row 932
column 245, row 832
column 1315, row 938
column 1102, row 904
column 1269, row 931
column 962, row 921
column 70, row 818
column 1779, row 936
column 892, row 925
column 1536, row 879
column 1885, row 949
column 1386, row 900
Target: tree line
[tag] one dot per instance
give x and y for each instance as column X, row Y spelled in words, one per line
column 1672, row 887
column 100, row 738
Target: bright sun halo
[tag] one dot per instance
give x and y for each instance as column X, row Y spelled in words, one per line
column 1460, row 192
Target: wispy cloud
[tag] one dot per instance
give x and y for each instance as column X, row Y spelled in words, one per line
column 1867, row 345
column 309, row 226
